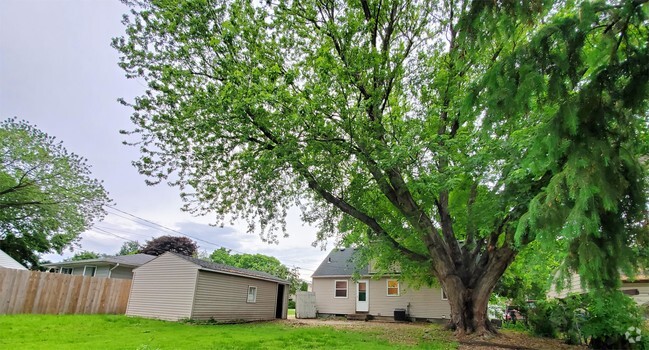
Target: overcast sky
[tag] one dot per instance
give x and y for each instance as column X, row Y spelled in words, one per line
column 58, row 71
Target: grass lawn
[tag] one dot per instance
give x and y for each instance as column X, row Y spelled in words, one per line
column 120, row 332
column 291, row 312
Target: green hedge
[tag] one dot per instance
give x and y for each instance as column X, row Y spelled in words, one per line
column 604, row 319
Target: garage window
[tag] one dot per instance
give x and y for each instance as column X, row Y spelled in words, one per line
column 252, row 294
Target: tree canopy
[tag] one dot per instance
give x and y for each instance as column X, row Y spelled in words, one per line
column 47, row 195
column 258, row 262
column 84, row 255
column 443, row 135
column 129, row 248
column 175, row 244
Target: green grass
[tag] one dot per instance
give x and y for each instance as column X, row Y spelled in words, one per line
column 120, row 332
column 291, row 312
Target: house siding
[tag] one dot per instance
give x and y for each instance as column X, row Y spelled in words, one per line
column 424, row 302
column 163, row 289
column 571, row 286
column 643, row 289
column 122, row 272
column 324, row 289
column 224, row 297
column 8, row 262
column 575, row 288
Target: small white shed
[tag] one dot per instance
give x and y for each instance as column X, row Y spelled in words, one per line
column 173, row 287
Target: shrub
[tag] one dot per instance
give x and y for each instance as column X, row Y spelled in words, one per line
column 291, row 304
column 558, row 317
column 610, row 314
column 541, row 320
column 601, row 316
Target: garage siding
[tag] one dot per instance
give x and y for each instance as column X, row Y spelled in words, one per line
column 163, row 289
column 224, row 298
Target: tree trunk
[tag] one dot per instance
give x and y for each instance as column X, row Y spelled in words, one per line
column 469, row 296
column 468, row 309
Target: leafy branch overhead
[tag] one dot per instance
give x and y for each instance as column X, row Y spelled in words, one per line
column 443, row 135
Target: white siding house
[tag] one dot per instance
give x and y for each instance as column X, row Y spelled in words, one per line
column 336, row 292
column 637, row 289
column 120, row 266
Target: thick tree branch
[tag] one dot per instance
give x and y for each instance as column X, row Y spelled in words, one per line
column 338, row 202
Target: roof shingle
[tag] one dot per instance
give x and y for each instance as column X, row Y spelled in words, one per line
column 339, row 263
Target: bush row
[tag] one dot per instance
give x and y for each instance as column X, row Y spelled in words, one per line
column 603, row 319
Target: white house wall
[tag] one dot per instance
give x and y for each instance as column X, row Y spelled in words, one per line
column 574, row 287
column 424, row 302
column 571, row 286
column 324, row 295
column 643, row 289
column 163, row 289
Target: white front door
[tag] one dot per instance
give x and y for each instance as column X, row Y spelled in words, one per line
column 362, row 296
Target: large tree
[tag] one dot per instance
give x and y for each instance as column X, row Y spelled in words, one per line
column 259, row 262
column 445, row 135
column 47, row 196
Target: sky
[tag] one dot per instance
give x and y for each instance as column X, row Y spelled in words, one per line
column 58, row 72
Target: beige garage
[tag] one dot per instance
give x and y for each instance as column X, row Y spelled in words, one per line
column 173, row 287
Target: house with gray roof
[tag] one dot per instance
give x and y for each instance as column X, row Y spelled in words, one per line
column 120, row 266
column 173, row 287
column 342, row 288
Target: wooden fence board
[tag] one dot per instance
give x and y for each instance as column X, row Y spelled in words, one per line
column 50, row 293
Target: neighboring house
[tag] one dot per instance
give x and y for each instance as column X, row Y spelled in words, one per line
column 337, row 293
column 8, row 262
column 173, row 287
column 637, row 289
column 120, row 266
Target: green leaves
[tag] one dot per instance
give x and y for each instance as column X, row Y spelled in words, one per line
column 47, row 197
column 258, row 262
column 447, row 136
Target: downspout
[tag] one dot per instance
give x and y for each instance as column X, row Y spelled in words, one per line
column 111, row 270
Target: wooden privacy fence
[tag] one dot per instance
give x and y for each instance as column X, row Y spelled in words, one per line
column 33, row 292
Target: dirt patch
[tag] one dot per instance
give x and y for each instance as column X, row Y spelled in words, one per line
column 514, row 340
column 393, row 332
column 414, row 333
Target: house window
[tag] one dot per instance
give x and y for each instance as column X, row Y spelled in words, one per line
column 444, row 296
column 66, row 270
column 393, row 288
column 341, row 289
column 252, row 294
column 89, row 270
